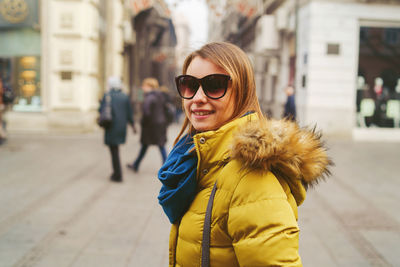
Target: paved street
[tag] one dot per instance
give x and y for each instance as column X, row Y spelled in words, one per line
column 58, row 207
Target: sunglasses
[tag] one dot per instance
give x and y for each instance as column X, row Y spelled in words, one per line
column 214, row 85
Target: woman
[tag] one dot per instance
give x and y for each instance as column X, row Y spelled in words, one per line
column 154, row 123
column 261, row 168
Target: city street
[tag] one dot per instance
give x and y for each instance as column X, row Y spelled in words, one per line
column 58, row 207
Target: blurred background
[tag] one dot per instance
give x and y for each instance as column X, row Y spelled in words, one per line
column 342, row 57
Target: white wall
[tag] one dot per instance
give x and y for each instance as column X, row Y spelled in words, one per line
column 303, row 45
column 182, row 31
column 114, row 39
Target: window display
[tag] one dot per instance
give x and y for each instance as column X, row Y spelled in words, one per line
column 378, row 95
column 22, row 74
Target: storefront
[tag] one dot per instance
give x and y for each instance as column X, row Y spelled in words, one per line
column 56, row 55
column 348, row 68
column 20, row 52
column 378, row 87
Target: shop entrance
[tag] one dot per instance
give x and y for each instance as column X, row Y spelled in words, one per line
column 378, row 82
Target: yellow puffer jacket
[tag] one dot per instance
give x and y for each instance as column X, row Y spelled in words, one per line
column 262, row 168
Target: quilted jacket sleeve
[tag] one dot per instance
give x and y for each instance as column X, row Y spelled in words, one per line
column 262, row 223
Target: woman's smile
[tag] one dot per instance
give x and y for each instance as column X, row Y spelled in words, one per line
column 202, row 114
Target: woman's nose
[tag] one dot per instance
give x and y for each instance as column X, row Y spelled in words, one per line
column 200, row 95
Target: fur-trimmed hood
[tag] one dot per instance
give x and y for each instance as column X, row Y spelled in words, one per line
column 295, row 154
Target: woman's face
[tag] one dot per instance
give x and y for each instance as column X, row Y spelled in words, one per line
column 205, row 113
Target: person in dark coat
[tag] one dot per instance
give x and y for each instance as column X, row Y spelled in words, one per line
column 2, row 109
column 122, row 114
column 154, row 123
column 290, row 106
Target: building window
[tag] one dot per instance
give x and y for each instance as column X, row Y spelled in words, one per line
column 66, row 75
column 333, row 49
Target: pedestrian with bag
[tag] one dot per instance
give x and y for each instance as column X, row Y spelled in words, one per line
column 117, row 104
column 153, row 123
column 233, row 181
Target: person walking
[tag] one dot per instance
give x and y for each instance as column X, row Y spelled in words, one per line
column 153, row 123
column 122, row 114
column 233, row 180
column 6, row 98
column 290, row 106
column 2, row 109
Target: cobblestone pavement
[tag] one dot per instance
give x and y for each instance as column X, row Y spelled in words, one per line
column 58, row 207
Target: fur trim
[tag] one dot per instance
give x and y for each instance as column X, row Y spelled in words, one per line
column 284, row 148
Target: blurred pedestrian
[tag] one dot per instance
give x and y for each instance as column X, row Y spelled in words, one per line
column 234, row 179
column 122, row 114
column 153, row 122
column 2, row 109
column 6, row 98
column 397, row 90
column 290, row 105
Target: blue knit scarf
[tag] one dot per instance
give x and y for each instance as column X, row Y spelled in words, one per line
column 178, row 178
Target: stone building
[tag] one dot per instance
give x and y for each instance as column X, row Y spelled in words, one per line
column 322, row 47
column 56, row 55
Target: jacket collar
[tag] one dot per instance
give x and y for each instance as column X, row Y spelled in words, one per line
column 213, row 147
column 294, row 154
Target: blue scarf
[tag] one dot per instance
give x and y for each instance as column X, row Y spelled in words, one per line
column 178, row 178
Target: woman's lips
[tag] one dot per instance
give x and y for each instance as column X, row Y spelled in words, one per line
column 202, row 113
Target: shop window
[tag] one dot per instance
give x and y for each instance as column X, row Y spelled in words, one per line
column 377, row 91
column 26, row 83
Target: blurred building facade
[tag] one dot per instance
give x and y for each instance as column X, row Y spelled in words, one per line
column 315, row 45
column 183, row 34
column 57, row 65
column 153, row 52
column 57, row 55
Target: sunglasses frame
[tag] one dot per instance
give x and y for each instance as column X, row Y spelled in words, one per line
column 199, row 81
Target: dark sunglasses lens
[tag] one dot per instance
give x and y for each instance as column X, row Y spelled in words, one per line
column 215, row 85
column 187, row 86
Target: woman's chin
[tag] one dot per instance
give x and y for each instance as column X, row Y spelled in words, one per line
column 202, row 126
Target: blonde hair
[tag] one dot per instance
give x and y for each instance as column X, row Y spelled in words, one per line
column 164, row 89
column 151, row 82
column 236, row 63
